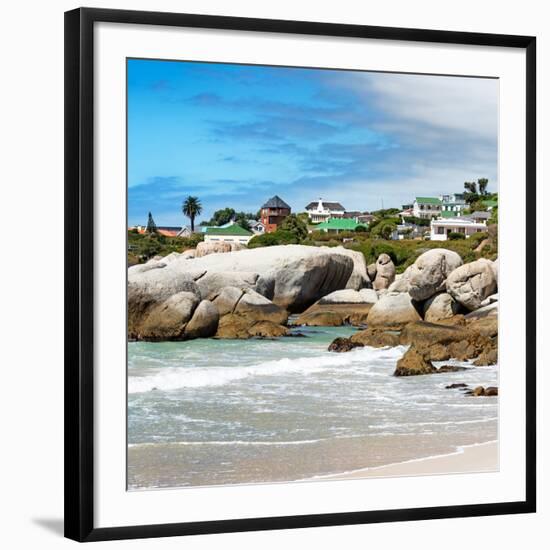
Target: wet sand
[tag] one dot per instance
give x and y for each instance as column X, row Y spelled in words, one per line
column 469, row 459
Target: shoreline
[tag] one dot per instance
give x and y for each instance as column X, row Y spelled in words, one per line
column 467, row 459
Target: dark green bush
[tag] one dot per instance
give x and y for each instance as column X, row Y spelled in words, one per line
column 456, row 236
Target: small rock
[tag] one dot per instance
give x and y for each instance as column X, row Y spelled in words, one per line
column 479, row 391
column 343, row 344
column 451, row 368
column 491, row 391
column 456, row 386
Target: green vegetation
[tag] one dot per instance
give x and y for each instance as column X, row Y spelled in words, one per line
column 142, row 247
column 296, row 226
column 151, row 226
column 280, row 236
column 225, row 215
column 456, row 236
column 192, row 208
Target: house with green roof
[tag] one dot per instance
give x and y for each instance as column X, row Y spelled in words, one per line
column 490, row 203
column 231, row 234
column 337, row 224
column 427, row 207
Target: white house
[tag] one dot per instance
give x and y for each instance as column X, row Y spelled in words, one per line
column 426, row 207
column 258, row 228
column 440, row 228
column 452, row 204
column 322, row 211
column 232, row 234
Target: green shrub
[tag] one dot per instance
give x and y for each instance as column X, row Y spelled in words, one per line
column 361, row 229
column 456, row 236
column 273, row 239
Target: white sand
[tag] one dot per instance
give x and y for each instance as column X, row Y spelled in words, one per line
column 470, row 459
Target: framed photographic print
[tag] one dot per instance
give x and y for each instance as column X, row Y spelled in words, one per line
column 300, row 274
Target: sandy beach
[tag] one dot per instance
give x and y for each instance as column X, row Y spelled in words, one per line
column 468, row 459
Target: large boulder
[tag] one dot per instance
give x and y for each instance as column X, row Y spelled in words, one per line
column 385, row 272
column 471, row 283
column 244, row 313
column 166, row 320
column 204, row 322
column 292, row 276
column 339, row 308
column 495, row 270
column 212, row 283
column 213, row 247
column 393, row 309
column 427, row 275
column 401, row 281
column 149, row 288
column 441, row 306
column 359, row 277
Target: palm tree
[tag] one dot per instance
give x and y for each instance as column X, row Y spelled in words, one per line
column 191, row 207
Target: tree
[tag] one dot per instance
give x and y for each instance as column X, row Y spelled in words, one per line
column 384, row 229
column 482, row 185
column 470, row 186
column 191, row 207
column 241, row 218
column 151, row 226
column 295, row 225
column 361, row 229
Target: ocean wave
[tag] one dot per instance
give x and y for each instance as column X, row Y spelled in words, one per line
column 173, row 378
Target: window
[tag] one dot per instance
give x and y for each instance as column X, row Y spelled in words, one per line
column 441, row 231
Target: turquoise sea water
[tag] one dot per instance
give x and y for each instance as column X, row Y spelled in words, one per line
column 210, row 411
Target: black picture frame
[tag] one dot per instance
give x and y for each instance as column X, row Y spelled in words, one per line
column 79, row 269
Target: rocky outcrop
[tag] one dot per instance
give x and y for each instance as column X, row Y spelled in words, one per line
column 441, row 342
column 267, row 329
column 371, row 271
column 495, row 270
column 376, row 337
column 413, row 363
column 385, row 272
column 401, row 282
column 359, row 277
column 340, row 345
column 471, row 283
column 204, row 322
column 165, row 320
column 212, row 247
column 156, row 297
column 211, row 284
column 393, row 309
column 339, row 308
column 244, row 313
column 441, row 306
column 429, row 272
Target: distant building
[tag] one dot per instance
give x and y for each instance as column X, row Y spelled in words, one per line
column 354, row 214
column 166, row 230
column 365, row 219
column 233, row 234
column 427, row 207
column 185, row 232
column 452, row 205
column 258, row 228
column 273, row 212
column 204, row 228
column 480, row 217
column 335, row 225
column 441, row 228
column 322, row 211
column 407, row 231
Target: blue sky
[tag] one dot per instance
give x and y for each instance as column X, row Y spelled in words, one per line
column 235, row 135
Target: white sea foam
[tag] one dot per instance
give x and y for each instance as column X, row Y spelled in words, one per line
column 173, row 378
